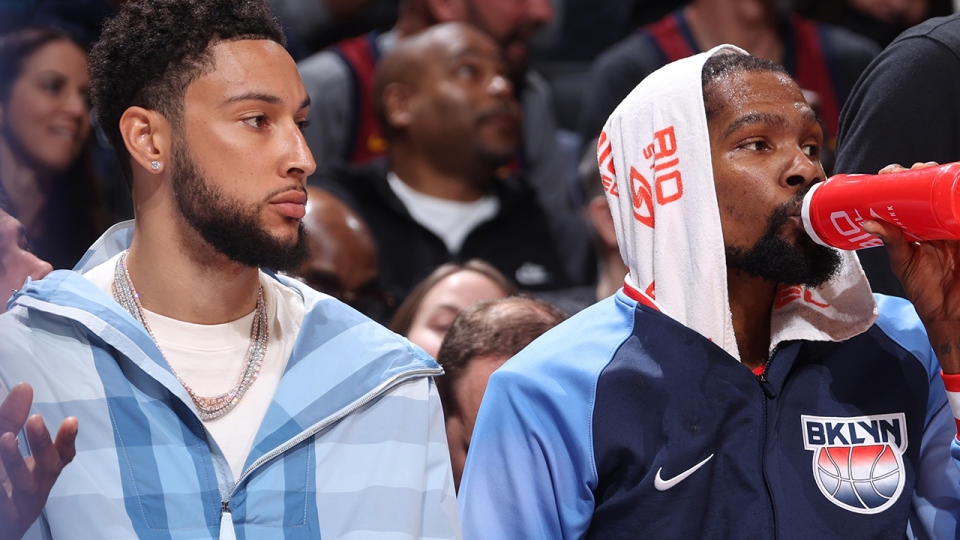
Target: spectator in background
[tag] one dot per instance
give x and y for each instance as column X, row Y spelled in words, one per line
column 81, row 19
column 825, row 60
column 879, row 20
column 451, row 118
column 46, row 176
column 341, row 256
column 315, row 24
column 16, row 263
column 481, row 339
column 344, row 126
column 427, row 313
column 903, row 110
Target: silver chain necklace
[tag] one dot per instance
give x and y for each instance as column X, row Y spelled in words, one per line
column 214, row 406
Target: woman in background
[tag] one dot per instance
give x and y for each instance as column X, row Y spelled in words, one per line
column 46, row 173
column 427, row 313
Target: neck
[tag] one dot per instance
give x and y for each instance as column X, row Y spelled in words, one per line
column 751, row 301
column 749, row 24
column 432, row 179
column 179, row 275
column 24, row 187
column 612, row 272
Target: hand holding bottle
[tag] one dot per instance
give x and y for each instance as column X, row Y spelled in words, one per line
column 930, row 274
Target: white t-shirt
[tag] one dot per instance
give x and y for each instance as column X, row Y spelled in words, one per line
column 211, row 357
column 450, row 220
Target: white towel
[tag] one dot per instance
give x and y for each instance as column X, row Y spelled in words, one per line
column 654, row 156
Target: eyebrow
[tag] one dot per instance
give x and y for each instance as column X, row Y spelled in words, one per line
column 769, row 119
column 260, row 96
column 473, row 52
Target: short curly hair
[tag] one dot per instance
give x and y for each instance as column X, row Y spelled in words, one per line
column 150, row 52
column 725, row 63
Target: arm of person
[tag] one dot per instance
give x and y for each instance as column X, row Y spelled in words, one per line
column 16, row 263
column 528, row 472
column 929, row 274
column 935, row 509
column 25, row 482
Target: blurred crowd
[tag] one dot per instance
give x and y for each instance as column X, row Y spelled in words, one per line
column 455, row 163
column 457, row 197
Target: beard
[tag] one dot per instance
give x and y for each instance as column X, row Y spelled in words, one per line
column 230, row 226
column 777, row 259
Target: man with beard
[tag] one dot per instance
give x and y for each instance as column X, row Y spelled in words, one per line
column 452, row 120
column 204, row 390
column 744, row 382
column 340, row 80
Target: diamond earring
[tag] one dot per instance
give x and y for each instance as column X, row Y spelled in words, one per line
column 155, row 165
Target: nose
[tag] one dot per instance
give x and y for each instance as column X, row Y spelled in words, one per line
column 299, row 163
column 802, row 170
column 76, row 103
column 539, row 12
column 500, row 86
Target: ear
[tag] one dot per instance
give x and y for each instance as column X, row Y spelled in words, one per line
column 397, row 103
column 602, row 221
column 447, row 10
column 146, row 134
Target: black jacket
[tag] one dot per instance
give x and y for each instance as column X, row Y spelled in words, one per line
column 535, row 248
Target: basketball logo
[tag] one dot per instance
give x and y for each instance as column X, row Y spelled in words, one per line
column 858, row 461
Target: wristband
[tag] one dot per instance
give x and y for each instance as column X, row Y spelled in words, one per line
column 951, row 381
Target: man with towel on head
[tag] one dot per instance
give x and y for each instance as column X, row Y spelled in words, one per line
column 744, row 382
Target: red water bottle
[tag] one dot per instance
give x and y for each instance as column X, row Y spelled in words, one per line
column 925, row 203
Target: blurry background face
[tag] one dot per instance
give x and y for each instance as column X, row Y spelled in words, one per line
column 465, row 96
column 444, row 301
column 46, row 118
column 511, row 23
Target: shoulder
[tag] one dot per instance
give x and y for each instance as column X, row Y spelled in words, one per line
column 944, row 30
column 925, row 48
column 574, row 352
column 332, row 329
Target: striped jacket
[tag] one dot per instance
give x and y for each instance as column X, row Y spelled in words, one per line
column 352, row 446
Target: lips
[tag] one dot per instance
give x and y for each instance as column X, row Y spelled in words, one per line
column 291, row 204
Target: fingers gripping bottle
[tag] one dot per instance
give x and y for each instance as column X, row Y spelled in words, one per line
column 925, row 203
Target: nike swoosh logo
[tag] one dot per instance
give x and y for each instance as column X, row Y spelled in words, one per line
column 663, row 485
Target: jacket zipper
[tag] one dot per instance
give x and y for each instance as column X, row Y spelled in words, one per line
column 323, row 424
column 763, row 380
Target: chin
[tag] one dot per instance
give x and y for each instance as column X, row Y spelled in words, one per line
column 58, row 162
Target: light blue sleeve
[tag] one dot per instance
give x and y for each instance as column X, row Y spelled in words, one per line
column 935, row 512
column 936, row 500
column 40, row 529
column 530, row 470
column 529, row 474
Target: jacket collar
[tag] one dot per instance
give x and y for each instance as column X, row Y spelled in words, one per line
column 340, row 357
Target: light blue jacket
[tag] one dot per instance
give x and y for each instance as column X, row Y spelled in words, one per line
column 352, row 446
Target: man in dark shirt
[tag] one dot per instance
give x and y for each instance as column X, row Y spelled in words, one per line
column 903, row 110
column 452, row 121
